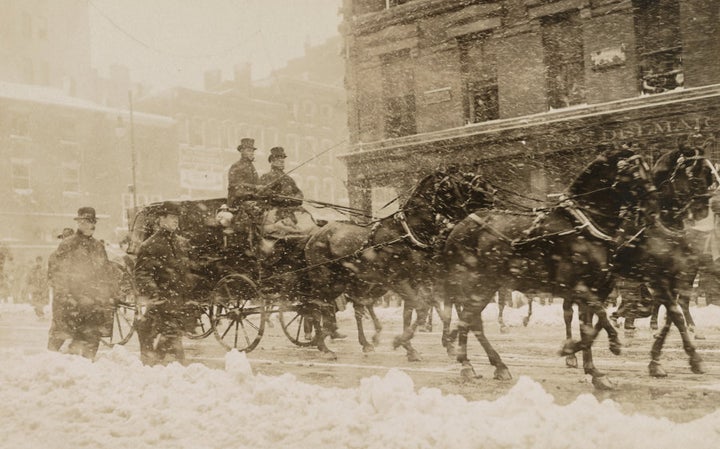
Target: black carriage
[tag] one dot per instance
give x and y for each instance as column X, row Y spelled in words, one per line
column 237, row 287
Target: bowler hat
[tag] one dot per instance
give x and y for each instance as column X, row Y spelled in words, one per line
column 86, row 213
column 276, row 153
column 66, row 232
column 246, row 143
column 168, row 208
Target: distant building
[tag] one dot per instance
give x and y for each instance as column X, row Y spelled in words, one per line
column 47, row 43
column 524, row 90
column 294, row 108
column 58, row 153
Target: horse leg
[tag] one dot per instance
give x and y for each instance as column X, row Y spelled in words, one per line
column 526, row 320
column 359, row 311
column 323, row 323
column 654, row 316
column 502, row 302
column 408, row 294
column 588, row 334
column 476, row 326
column 674, row 316
column 376, row 324
column 467, row 372
column 570, row 359
column 684, row 302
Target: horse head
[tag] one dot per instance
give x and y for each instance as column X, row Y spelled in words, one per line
column 449, row 195
column 615, row 188
column 683, row 178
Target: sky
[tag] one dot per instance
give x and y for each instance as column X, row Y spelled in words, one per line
column 172, row 42
column 57, row 401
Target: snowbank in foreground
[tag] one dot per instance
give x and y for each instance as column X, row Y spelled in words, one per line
column 59, row 401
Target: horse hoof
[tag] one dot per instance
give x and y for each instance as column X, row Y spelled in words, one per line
column 414, row 356
column 331, row 356
column 376, row 339
column 504, row 329
column 656, row 370
column 603, row 382
column 451, row 351
column 368, row 348
column 571, row 361
column 526, row 320
column 397, row 342
column 502, row 374
column 615, row 347
column 696, row 365
column 467, row 373
column 568, row 348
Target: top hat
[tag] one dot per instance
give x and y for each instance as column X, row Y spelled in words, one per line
column 86, row 213
column 66, row 232
column 168, row 208
column 246, row 143
column 276, row 153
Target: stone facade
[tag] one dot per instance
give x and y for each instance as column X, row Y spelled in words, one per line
column 525, row 90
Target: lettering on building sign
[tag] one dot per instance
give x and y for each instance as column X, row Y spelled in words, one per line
column 437, row 95
column 660, row 127
column 608, row 57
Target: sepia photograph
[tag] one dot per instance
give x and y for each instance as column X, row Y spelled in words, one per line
column 361, row 224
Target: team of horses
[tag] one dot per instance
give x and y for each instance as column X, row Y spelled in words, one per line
column 619, row 218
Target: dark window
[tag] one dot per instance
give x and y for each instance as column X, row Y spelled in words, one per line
column 479, row 72
column 399, row 94
column 563, row 43
column 657, row 30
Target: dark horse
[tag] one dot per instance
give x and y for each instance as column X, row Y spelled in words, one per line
column 395, row 253
column 567, row 250
column 662, row 256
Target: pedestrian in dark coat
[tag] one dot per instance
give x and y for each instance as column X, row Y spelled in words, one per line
column 163, row 279
column 82, row 305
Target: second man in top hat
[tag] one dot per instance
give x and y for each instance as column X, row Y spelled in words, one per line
column 282, row 189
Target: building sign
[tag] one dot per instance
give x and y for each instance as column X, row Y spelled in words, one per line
column 681, row 125
column 201, row 169
column 608, row 57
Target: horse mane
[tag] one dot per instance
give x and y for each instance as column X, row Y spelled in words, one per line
column 421, row 187
column 667, row 163
column 595, row 175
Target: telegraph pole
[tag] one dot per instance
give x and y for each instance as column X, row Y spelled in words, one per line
column 132, row 152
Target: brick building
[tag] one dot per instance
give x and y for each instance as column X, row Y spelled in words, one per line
column 527, row 90
column 301, row 107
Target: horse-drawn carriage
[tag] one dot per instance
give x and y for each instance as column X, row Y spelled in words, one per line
column 237, row 285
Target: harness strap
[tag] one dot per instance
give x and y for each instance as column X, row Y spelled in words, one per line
column 585, row 221
column 400, row 216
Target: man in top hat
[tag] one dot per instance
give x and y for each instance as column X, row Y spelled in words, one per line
column 79, row 274
column 281, row 188
column 242, row 176
column 163, row 279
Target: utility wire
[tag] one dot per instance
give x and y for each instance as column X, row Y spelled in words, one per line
column 129, row 35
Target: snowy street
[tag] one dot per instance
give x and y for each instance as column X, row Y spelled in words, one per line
column 280, row 395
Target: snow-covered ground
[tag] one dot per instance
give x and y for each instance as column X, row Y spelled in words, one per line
column 51, row 400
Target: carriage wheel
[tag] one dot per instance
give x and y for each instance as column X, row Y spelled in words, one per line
column 240, row 313
column 124, row 318
column 205, row 315
column 297, row 325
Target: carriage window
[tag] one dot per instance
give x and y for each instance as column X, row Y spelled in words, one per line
column 657, row 30
column 399, row 94
column 479, row 74
column 563, row 43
